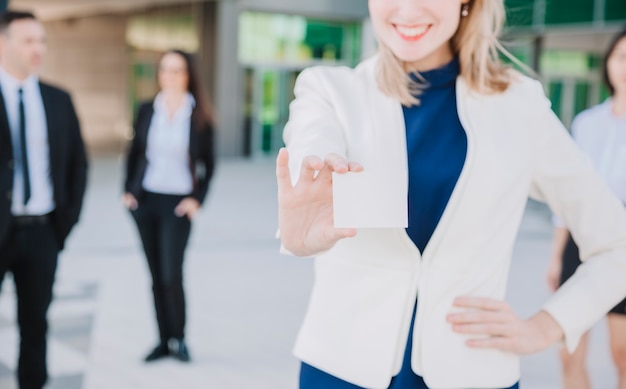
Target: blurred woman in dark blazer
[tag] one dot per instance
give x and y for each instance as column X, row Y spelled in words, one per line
column 168, row 171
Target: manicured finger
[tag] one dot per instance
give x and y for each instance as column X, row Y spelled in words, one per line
column 337, row 163
column 479, row 317
column 355, row 167
column 326, row 174
column 483, row 303
column 340, row 233
column 283, row 176
column 494, row 342
column 491, row 329
column 310, row 166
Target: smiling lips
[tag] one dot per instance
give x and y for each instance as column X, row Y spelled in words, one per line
column 412, row 33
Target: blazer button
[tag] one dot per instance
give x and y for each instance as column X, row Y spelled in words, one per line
column 9, row 196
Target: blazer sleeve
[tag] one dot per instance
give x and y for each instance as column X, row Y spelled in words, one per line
column 206, row 163
column 313, row 127
column 133, row 153
column 566, row 180
column 77, row 170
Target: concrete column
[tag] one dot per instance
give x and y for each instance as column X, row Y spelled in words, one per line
column 599, row 8
column 537, row 50
column 206, row 14
column 227, row 98
column 327, row 9
column 89, row 57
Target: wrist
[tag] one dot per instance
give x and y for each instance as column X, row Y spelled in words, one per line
column 296, row 247
column 548, row 328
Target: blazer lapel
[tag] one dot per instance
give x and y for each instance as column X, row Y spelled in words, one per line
column 388, row 125
column 193, row 142
column 53, row 135
column 463, row 96
column 391, row 137
column 383, row 131
column 5, row 130
column 144, row 125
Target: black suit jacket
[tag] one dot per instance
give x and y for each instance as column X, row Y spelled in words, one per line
column 68, row 162
column 201, row 155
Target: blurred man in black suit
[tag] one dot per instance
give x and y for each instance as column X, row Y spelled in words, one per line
column 43, row 173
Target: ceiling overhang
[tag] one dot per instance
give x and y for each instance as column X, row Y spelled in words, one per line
column 46, row 10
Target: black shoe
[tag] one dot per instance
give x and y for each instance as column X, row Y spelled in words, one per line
column 159, row 352
column 179, row 350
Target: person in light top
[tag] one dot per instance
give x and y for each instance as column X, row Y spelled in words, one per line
column 601, row 133
column 164, row 189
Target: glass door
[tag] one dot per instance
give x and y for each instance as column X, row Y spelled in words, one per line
column 273, row 49
column 268, row 94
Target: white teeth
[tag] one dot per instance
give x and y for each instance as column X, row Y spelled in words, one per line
column 412, row 32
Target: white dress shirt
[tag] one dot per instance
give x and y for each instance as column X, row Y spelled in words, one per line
column 41, row 201
column 602, row 135
column 167, row 149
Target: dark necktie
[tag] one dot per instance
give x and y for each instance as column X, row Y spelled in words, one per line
column 25, row 170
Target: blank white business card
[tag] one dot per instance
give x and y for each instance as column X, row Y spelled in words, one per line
column 370, row 199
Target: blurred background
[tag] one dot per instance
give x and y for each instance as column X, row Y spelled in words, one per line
column 246, row 301
column 104, row 52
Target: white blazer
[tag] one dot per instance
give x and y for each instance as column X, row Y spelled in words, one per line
column 359, row 313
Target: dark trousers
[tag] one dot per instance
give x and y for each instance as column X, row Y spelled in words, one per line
column 30, row 254
column 164, row 237
column 571, row 261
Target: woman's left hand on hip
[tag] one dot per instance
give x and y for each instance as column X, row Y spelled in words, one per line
column 497, row 326
column 187, row 206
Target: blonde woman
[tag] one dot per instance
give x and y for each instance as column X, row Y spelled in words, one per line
column 434, row 118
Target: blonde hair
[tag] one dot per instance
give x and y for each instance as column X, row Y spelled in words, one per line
column 475, row 43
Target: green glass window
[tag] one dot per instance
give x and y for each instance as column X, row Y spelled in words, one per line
column 615, row 10
column 569, row 11
column 324, row 39
column 539, row 13
column 581, row 99
column 519, row 12
column 276, row 39
column 574, row 63
column 555, row 92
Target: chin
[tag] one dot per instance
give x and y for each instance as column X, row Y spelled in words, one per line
column 410, row 54
column 411, row 59
column 407, row 55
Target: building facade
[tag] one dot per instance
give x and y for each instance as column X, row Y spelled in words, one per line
column 564, row 41
column 250, row 51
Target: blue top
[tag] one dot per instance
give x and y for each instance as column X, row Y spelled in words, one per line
column 437, row 146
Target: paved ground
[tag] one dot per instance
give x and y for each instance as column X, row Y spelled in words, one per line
column 245, row 301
